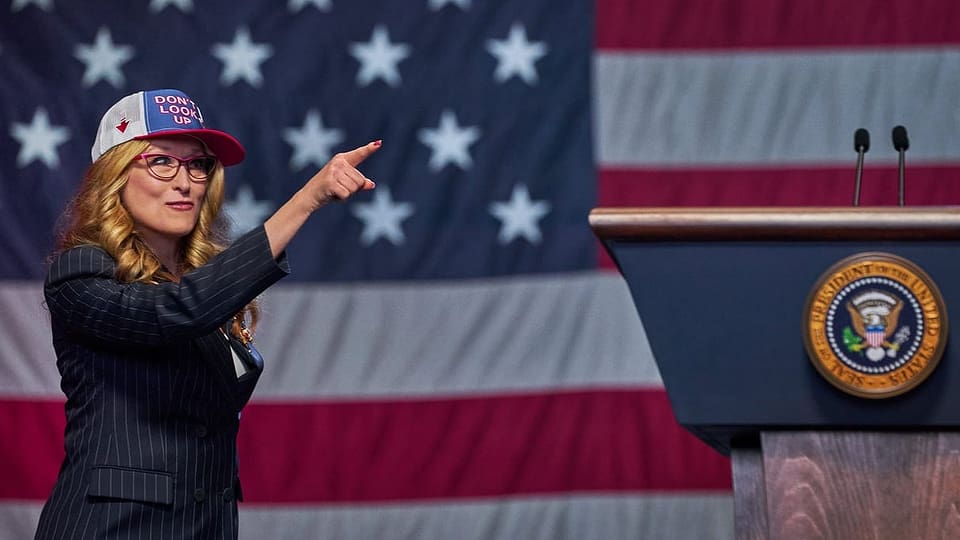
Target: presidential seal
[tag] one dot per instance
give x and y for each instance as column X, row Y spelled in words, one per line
column 875, row 325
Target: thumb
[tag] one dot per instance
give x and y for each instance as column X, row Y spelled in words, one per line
column 357, row 155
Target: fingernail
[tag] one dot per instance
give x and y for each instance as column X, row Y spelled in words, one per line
column 378, row 142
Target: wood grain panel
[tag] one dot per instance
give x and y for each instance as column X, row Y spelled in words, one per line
column 749, row 495
column 862, row 485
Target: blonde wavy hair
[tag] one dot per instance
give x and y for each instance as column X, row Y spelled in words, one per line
column 96, row 216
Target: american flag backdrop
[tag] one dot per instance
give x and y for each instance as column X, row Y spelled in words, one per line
column 452, row 356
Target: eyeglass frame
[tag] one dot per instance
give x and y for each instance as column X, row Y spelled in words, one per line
column 180, row 163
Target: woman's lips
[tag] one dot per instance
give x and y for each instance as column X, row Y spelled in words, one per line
column 181, row 205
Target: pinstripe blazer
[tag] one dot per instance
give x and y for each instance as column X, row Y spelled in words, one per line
column 153, row 398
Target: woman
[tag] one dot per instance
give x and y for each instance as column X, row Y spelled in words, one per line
column 144, row 304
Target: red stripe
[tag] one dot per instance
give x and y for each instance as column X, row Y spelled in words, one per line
column 925, row 185
column 591, row 441
column 478, row 447
column 726, row 24
column 31, row 447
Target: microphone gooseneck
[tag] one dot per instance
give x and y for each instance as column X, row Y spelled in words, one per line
column 901, row 143
column 861, row 143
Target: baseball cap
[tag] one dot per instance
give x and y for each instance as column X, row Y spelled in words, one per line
column 161, row 113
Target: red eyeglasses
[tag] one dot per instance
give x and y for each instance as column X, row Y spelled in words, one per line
column 165, row 166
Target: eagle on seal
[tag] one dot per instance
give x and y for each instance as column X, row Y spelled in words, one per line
column 874, row 316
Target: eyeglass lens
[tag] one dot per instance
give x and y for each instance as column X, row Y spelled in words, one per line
column 164, row 166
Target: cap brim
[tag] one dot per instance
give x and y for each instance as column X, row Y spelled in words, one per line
column 225, row 146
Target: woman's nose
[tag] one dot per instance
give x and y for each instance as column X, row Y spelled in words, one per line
column 181, row 181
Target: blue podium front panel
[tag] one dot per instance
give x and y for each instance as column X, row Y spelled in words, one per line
column 725, row 323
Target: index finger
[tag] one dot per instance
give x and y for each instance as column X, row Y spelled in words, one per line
column 357, row 155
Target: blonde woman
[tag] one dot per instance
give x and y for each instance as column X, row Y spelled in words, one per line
column 147, row 309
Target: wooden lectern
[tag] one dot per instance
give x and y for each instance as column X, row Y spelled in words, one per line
column 722, row 296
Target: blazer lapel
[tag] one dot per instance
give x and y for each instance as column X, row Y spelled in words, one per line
column 216, row 353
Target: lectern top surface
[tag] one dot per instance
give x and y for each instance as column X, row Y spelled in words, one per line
column 777, row 223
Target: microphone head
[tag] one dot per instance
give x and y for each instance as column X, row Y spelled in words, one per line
column 900, row 140
column 861, row 140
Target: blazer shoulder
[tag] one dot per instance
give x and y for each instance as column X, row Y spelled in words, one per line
column 87, row 259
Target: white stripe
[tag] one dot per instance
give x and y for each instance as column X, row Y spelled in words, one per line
column 774, row 108
column 18, row 520
column 27, row 361
column 704, row 517
column 516, row 334
column 392, row 340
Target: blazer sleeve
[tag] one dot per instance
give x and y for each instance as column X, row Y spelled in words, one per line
column 84, row 295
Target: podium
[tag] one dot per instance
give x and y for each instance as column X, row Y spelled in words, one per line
column 722, row 294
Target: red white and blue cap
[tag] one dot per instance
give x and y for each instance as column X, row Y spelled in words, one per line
column 161, row 113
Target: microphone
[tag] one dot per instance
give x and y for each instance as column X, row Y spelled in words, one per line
column 861, row 143
column 901, row 144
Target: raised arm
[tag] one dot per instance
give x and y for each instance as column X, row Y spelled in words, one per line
column 84, row 296
column 337, row 180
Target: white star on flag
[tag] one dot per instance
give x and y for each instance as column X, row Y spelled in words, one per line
column 435, row 5
column 242, row 58
column 382, row 217
column 103, row 59
column 297, row 5
column 185, row 6
column 45, row 5
column 515, row 55
column 520, row 216
column 312, row 143
column 448, row 142
column 379, row 58
column 39, row 140
column 245, row 211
